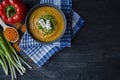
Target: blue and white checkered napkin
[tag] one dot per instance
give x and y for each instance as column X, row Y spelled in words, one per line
column 40, row 52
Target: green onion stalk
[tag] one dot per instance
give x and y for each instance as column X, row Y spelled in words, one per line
column 9, row 59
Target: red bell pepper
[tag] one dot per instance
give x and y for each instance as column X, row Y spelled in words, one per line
column 12, row 11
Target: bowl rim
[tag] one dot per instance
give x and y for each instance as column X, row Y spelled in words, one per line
column 44, row 5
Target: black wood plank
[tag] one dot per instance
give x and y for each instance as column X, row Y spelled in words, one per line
column 95, row 51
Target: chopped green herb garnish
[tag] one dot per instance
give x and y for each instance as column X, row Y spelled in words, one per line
column 44, row 27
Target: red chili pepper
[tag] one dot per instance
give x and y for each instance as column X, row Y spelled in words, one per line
column 12, row 11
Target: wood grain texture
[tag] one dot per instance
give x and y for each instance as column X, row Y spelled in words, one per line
column 95, row 51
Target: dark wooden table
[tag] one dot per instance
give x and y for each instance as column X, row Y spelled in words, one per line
column 95, row 51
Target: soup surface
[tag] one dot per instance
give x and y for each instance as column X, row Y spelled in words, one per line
column 38, row 33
